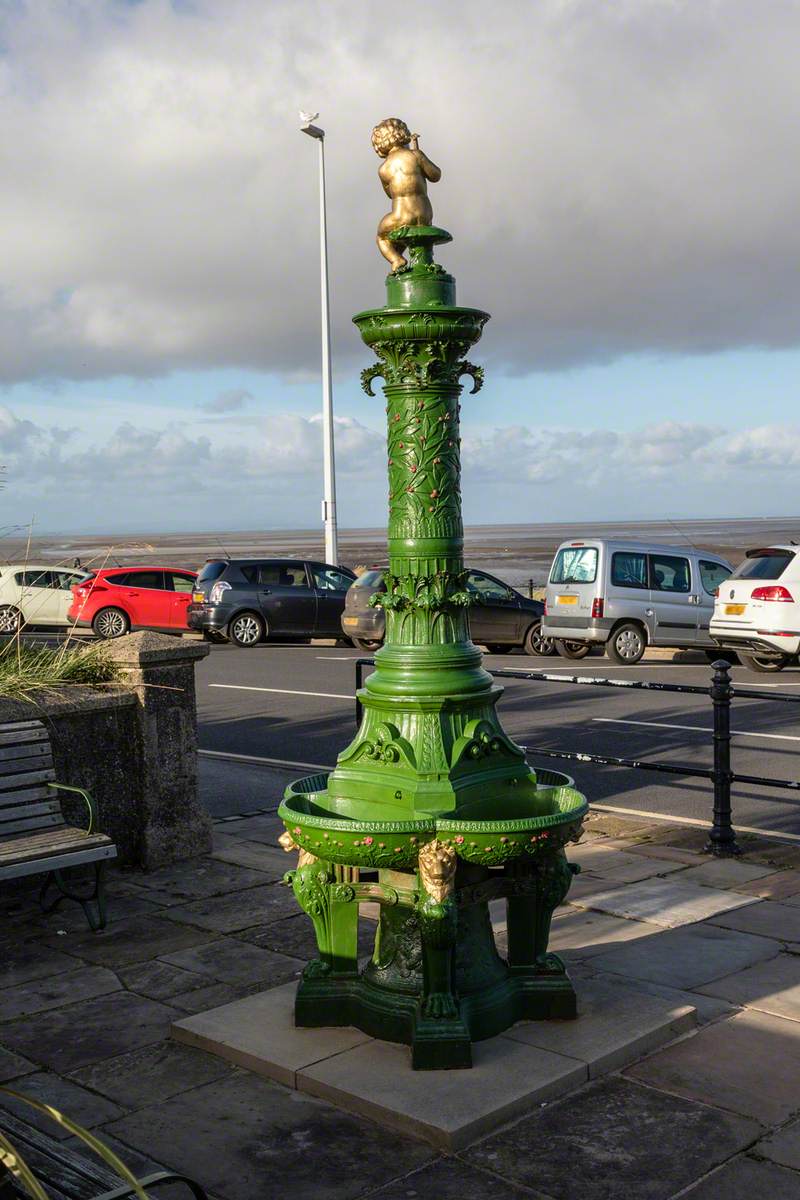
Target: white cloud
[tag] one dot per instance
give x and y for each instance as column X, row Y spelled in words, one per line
column 618, row 176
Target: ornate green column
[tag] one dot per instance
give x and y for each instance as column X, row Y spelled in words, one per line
column 432, row 810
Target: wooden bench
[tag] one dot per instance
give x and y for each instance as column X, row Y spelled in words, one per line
column 67, row 1175
column 34, row 836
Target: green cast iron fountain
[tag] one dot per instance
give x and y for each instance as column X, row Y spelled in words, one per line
column 432, row 810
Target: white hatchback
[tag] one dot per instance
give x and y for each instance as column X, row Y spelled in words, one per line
column 757, row 610
column 35, row 594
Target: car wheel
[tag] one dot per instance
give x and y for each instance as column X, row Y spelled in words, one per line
column 536, row 644
column 573, row 649
column 11, row 619
column 368, row 646
column 762, row 664
column 110, row 623
column 627, row 644
column 246, row 629
column 499, row 648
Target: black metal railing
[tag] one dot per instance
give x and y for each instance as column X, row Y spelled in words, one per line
column 722, row 836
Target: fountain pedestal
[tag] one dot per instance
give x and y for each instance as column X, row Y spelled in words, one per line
column 432, row 810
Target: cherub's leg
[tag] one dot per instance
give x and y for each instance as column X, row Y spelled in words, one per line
column 387, row 248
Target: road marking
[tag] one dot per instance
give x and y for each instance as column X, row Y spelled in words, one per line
column 336, row 658
column 638, row 812
column 745, row 683
column 241, row 687
column 266, row 762
column 776, row 737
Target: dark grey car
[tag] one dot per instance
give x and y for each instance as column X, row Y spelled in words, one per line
column 246, row 601
column 500, row 620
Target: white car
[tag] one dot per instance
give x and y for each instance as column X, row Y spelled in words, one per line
column 757, row 610
column 36, row 594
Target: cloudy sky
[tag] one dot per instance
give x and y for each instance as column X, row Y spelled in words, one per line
column 623, row 186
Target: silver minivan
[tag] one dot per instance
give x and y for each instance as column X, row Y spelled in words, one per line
column 630, row 595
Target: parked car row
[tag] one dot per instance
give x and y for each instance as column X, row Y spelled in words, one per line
column 618, row 595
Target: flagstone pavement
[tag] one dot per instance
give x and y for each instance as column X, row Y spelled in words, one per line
column 84, row 1021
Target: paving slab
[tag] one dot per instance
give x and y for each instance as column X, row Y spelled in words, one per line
column 749, row 1064
column 452, row 1108
column 614, row 1139
column 687, row 957
column 743, row 1179
column 578, row 933
column 80, row 1105
column 614, row 826
column 616, row 1024
column 725, row 873
column 600, row 856
column 199, row 879
column 151, row 1074
column 640, row 868
column 215, row 995
column 259, row 1033
column 452, row 1179
column 667, row 902
column 767, row 918
column 588, row 885
column 228, row 960
column 265, row 829
column 778, row 885
column 707, row 1008
column 12, row 1066
column 159, row 980
column 64, row 1039
column 690, row 858
column 32, row 960
column 70, row 917
column 238, row 910
column 247, row 1138
column 132, row 941
column 271, row 860
column 776, row 854
column 783, row 1146
column 295, row 936
column 68, row 988
column 772, row 986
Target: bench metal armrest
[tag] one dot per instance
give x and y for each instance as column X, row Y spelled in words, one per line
column 90, row 804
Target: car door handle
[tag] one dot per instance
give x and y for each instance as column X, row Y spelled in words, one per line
column 266, row 591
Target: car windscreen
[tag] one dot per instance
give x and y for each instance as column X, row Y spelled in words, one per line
column 369, row 579
column 211, row 571
column 575, row 564
column 764, row 564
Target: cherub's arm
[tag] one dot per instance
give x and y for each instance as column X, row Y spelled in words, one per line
column 429, row 169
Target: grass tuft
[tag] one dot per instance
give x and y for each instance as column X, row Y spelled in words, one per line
column 27, row 669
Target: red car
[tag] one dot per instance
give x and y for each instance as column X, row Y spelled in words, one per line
column 118, row 599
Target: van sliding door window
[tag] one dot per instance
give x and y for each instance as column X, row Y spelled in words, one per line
column 669, row 573
column 629, row 569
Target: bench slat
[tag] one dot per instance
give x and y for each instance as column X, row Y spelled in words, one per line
column 64, row 839
column 30, row 825
column 26, row 731
column 24, row 750
column 39, row 791
column 34, row 809
column 8, row 782
column 24, row 766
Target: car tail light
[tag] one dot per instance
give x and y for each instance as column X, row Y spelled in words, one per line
column 217, row 591
column 775, row 591
column 544, row 609
column 597, row 608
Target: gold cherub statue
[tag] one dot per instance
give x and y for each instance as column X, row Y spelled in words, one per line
column 403, row 175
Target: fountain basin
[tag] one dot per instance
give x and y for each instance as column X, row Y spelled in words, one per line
column 504, row 832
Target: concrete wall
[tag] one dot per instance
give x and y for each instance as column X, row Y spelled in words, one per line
column 134, row 747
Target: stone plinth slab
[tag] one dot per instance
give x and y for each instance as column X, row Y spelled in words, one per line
column 512, row 1074
column 258, row 1033
column 615, row 1024
column 667, row 902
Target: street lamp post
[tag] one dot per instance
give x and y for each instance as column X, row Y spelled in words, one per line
column 329, row 471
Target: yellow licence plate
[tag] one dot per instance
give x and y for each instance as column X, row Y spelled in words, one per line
column 734, row 610
column 566, row 599
column 349, row 620
column 197, row 597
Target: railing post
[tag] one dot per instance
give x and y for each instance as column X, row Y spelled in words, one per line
column 722, row 838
